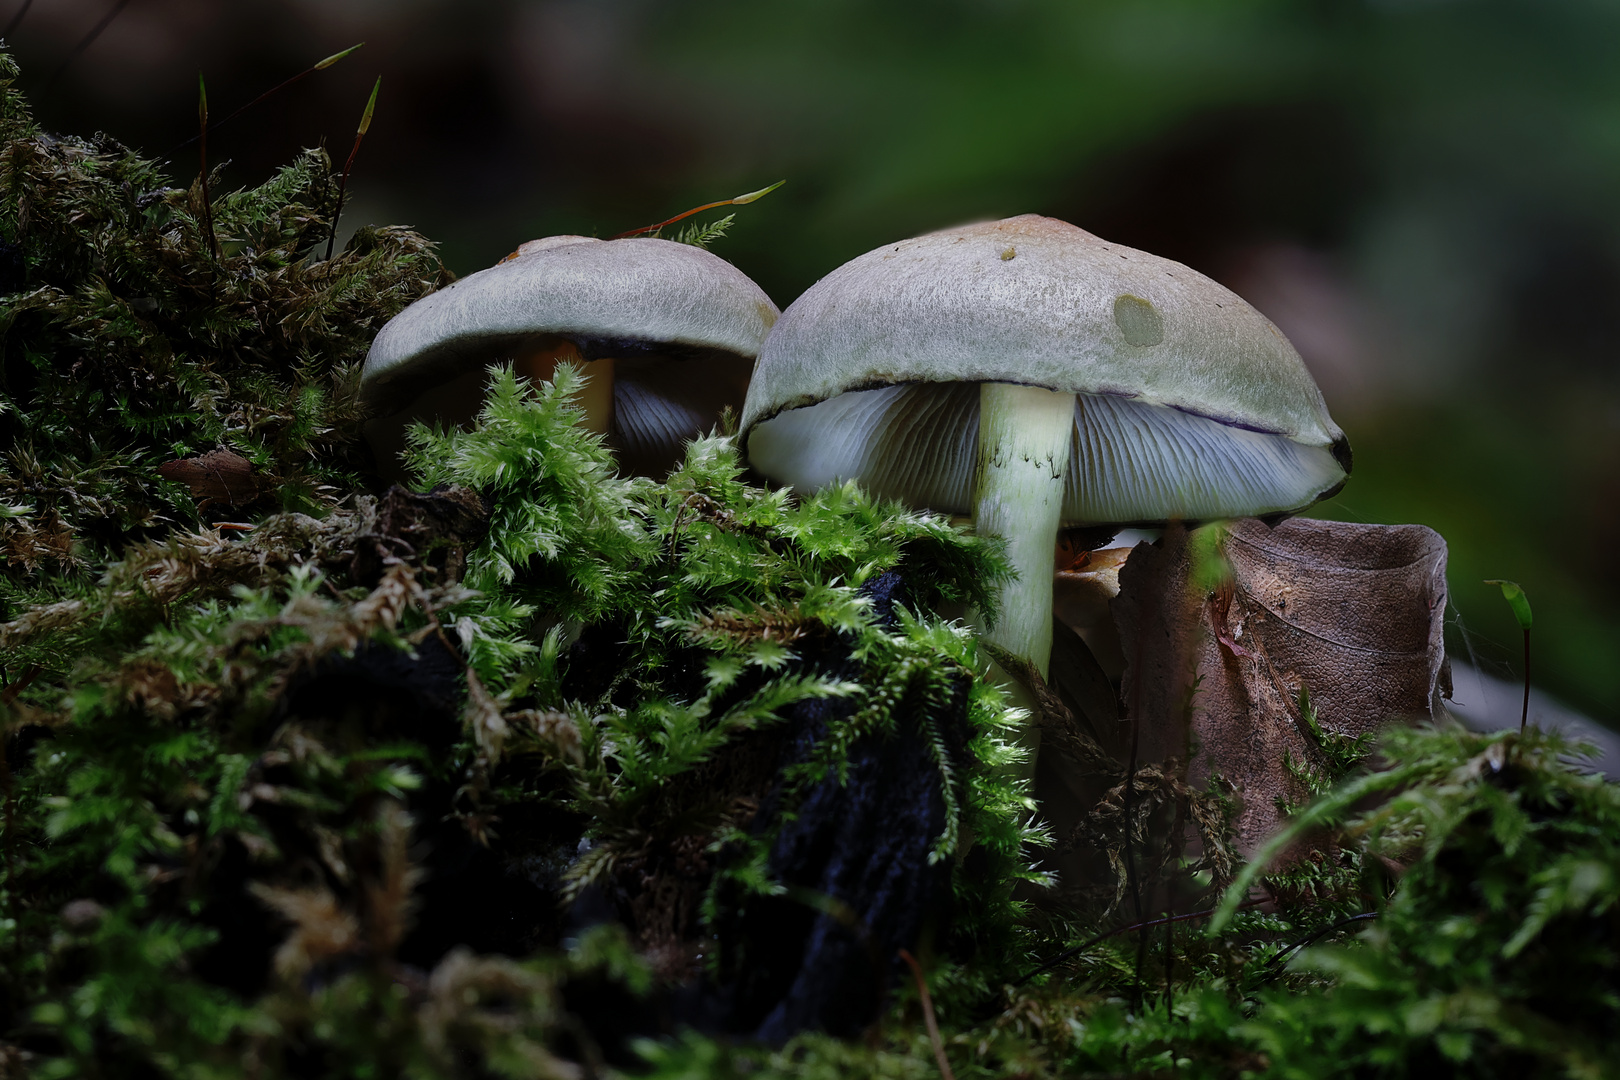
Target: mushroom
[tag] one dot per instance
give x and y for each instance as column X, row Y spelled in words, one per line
column 667, row 333
column 1034, row 376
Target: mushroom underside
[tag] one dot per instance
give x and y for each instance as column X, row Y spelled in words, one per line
column 1130, row 461
column 660, row 402
column 660, row 405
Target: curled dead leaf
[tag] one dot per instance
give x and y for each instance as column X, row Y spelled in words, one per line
column 1325, row 631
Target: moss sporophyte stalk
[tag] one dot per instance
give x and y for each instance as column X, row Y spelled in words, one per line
column 531, row 767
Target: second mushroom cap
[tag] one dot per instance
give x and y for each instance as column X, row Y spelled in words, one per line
column 681, row 324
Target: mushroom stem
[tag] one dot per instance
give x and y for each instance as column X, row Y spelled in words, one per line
column 539, row 363
column 1024, row 438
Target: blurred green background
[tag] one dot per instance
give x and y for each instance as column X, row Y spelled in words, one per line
column 1424, row 194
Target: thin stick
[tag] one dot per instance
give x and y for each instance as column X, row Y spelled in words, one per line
column 11, row 27
column 9, row 694
column 1513, row 593
column 84, row 42
column 928, row 1016
column 321, row 66
column 1105, row 935
column 1169, row 974
column 343, row 182
column 202, row 154
column 1177, row 843
column 1524, row 713
column 1130, row 784
column 1270, row 966
column 741, row 200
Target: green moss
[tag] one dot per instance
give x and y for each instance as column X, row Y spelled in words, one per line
column 127, row 344
column 182, row 771
column 1497, row 954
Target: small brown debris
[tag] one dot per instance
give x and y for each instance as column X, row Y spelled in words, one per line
column 36, row 545
column 217, row 476
column 322, row 928
column 557, row 732
column 449, row 520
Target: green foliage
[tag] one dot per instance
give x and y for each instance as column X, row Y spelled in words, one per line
column 703, row 234
column 1496, row 953
column 1493, row 956
column 180, row 772
column 564, row 531
column 749, row 579
column 128, row 343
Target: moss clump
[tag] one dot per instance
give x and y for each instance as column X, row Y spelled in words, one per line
column 1498, row 952
column 711, row 610
column 1494, row 954
column 129, row 344
column 291, row 776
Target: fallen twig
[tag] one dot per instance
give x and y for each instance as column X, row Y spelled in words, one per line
column 928, row 1015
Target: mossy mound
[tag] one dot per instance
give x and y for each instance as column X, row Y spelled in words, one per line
column 132, row 341
column 304, row 770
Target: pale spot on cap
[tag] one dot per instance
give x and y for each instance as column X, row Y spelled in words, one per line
column 1138, row 320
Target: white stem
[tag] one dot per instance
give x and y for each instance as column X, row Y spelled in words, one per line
column 1024, row 438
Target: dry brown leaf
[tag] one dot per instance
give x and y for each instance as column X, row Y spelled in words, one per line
column 217, row 476
column 1351, row 614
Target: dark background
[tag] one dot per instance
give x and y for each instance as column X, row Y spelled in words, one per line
column 1424, row 194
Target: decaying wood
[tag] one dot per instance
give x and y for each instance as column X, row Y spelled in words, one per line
column 1308, row 616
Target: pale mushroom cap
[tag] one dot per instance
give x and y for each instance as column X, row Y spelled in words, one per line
column 1191, row 403
column 635, row 290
